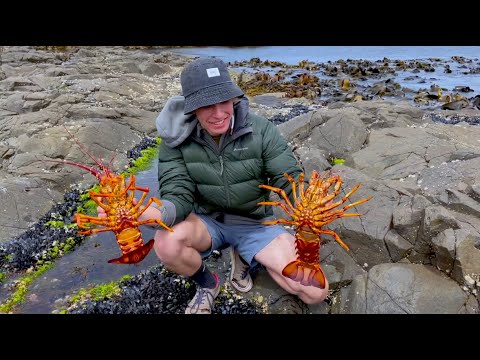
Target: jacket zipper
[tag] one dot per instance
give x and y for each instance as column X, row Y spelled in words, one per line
column 225, row 184
column 220, row 157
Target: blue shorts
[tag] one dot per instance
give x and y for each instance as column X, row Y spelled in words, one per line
column 247, row 239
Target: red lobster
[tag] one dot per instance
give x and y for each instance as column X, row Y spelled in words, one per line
column 116, row 198
column 313, row 209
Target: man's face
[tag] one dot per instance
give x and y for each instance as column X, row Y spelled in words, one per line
column 215, row 119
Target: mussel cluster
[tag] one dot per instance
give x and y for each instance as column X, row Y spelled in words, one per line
column 159, row 291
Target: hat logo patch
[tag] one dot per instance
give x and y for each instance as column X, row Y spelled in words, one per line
column 212, row 72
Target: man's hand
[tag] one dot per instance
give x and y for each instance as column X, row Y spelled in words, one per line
column 101, row 213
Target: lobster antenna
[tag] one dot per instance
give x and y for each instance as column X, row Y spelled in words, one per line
column 94, row 172
column 111, row 161
column 85, row 151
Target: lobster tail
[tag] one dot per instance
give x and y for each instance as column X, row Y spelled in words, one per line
column 295, row 270
column 134, row 256
column 317, row 278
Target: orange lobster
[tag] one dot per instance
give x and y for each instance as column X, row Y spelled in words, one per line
column 116, row 198
column 313, row 209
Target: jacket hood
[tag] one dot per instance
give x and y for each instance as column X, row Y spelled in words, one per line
column 241, row 113
column 174, row 126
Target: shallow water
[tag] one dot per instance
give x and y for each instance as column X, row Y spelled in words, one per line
column 321, row 54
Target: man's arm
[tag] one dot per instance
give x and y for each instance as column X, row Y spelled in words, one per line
column 175, row 185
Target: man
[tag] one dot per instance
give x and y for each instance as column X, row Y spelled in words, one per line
column 213, row 157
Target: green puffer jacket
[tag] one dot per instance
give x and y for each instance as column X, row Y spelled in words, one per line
column 197, row 174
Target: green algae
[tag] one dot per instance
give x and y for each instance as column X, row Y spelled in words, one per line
column 21, row 288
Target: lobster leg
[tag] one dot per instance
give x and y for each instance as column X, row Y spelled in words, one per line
column 94, row 231
column 294, row 186
column 149, row 221
column 301, row 186
column 150, row 201
column 85, row 219
column 96, row 196
column 132, row 186
column 340, row 213
column 278, row 221
column 356, row 203
column 276, row 203
column 335, row 236
column 313, row 189
column 331, row 206
column 282, row 193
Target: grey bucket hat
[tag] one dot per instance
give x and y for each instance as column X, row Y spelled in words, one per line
column 206, row 81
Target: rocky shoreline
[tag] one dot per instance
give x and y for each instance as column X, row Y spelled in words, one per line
column 417, row 241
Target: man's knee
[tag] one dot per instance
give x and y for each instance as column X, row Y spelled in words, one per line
column 316, row 298
column 167, row 248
